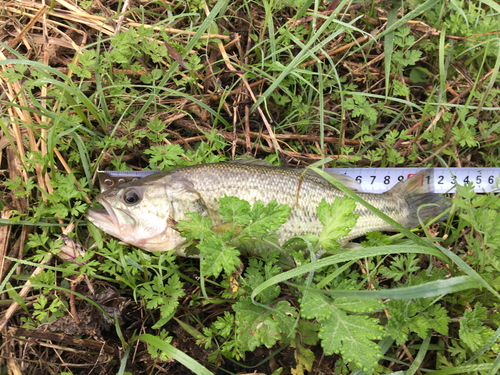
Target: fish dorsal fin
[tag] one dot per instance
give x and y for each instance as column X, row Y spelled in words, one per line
column 342, row 178
column 253, row 162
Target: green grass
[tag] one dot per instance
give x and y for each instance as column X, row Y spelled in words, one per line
column 420, row 301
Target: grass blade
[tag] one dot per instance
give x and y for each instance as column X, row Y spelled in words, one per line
column 175, row 353
column 344, row 257
column 427, row 290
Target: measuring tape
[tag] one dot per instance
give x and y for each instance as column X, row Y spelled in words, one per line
column 370, row 180
column 378, row 180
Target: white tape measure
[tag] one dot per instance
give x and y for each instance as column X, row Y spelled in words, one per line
column 378, row 180
column 370, row 180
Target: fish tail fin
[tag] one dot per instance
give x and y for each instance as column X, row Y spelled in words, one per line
column 418, row 190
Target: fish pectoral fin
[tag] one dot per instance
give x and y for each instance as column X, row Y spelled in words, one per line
column 171, row 223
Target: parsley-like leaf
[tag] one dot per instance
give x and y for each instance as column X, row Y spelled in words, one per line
column 401, row 266
column 416, row 316
column 268, row 218
column 315, row 305
column 257, row 273
column 164, row 295
column 164, row 157
column 304, row 358
column 196, row 228
column 337, row 219
column 358, row 304
column 472, row 331
column 256, row 326
column 351, row 336
column 235, row 210
column 219, row 256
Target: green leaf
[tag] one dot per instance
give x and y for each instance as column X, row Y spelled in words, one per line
column 163, row 295
column 388, row 45
column 315, row 305
column 11, row 76
column 429, row 289
column 308, row 332
column 337, row 219
column 96, row 234
column 285, row 315
column 387, row 219
column 256, row 326
column 191, row 330
column 400, row 89
column 196, row 228
column 17, row 298
column 164, row 157
column 156, row 125
column 401, row 266
column 257, row 273
column 235, row 210
column 472, row 332
column 351, row 336
column 416, row 316
column 269, row 218
column 492, row 4
column 358, row 304
column 419, row 74
column 218, row 256
column 304, row 357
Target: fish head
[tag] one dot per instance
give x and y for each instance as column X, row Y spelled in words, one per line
column 144, row 215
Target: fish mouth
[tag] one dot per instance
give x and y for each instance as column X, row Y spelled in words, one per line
column 110, row 220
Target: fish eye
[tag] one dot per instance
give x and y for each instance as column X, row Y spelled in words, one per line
column 131, row 197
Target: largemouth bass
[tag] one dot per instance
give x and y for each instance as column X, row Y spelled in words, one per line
column 143, row 213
